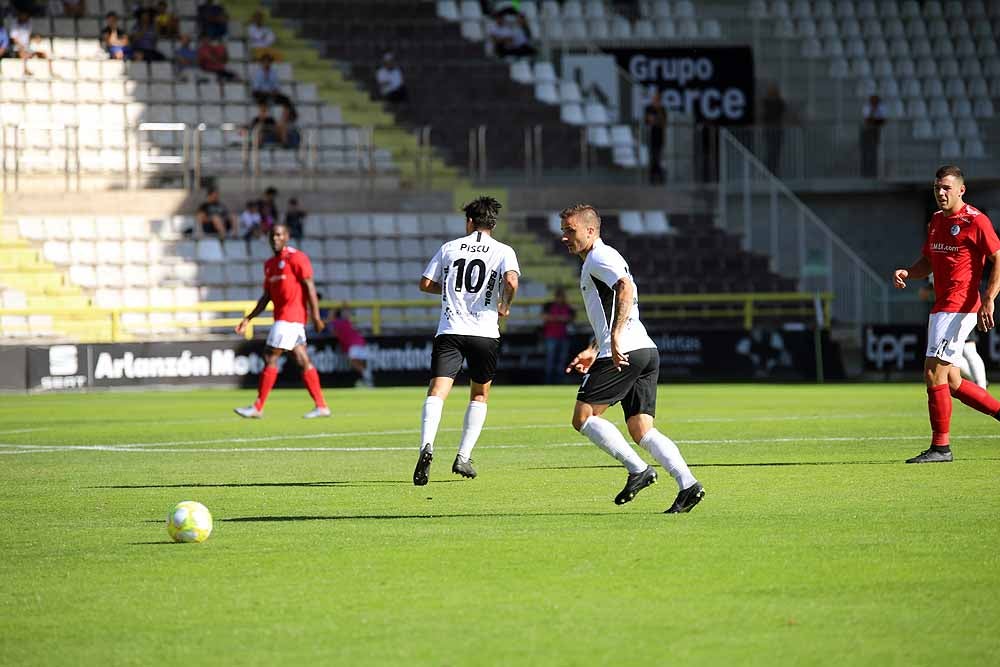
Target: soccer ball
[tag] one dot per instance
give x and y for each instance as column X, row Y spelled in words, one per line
column 189, row 521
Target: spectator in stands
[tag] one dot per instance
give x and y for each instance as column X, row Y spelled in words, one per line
column 389, row 78
column 655, row 119
column 520, row 40
column 5, row 48
column 144, row 37
column 269, row 207
column 352, row 345
column 167, row 23
column 20, row 34
column 773, row 115
column 114, row 40
column 263, row 128
column 295, row 219
column 499, row 34
column 212, row 20
column 185, row 59
column 289, row 135
column 250, row 220
column 74, row 9
column 213, row 58
column 556, row 317
column 873, row 118
column 214, row 218
column 261, row 39
column 36, row 49
column 264, row 84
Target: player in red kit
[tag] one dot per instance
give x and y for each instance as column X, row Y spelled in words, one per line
column 288, row 282
column 960, row 239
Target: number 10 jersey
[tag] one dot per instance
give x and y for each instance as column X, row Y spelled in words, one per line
column 470, row 271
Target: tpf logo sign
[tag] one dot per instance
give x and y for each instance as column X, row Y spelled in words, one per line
column 62, row 360
column 891, row 348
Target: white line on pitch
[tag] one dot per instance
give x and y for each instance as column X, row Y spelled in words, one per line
column 166, row 447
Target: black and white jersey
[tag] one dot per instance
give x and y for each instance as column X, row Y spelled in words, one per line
column 603, row 267
column 470, row 271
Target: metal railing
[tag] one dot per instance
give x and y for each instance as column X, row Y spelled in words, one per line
column 772, row 221
column 219, row 317
column 179, row 149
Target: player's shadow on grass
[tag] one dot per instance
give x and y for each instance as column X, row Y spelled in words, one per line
column 404, row 517
column 762, row 464
column 235, row 485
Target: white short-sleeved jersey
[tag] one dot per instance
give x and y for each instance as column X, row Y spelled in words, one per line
column 470, row 271
column 603, row 268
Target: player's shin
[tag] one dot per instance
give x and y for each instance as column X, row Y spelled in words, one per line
column 267, row 379
column 311, row 379
column 430, row 420
column 669, row 456
column 939, row 410
column 605, row 435
column 475, row 417
column 976, row 398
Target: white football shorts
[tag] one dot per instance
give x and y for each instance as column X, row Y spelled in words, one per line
column 359, row 352
column 946, row 334
column 286, row 335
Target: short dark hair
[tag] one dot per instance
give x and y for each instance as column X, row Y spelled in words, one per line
column 271, row 190
column 949, row 170
column 483, row 212
column 586, row 210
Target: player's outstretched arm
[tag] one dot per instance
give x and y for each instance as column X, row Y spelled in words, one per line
column 429, row 286
column 265, row 299
column 509, row 290
column 919, row 269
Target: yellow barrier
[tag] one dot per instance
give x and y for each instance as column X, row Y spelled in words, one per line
column 106, row 324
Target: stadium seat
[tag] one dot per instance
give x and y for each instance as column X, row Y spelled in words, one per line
column 951, row 148
column 520, row 71
column 644, row 29
column 572, row 114
column 983, row 108
column 209, row 250
column 631, row 222
column 922, row 129
column 967, row 128
column 974, row 148
column 547, row 93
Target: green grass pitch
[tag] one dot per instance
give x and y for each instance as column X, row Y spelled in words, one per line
column 814, row 545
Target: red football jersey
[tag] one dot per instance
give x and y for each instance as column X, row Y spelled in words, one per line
column 283, row 276
column 957, row 247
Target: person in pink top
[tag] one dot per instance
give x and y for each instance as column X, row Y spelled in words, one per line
column 352, row 344
column 960, row 240
column 556, row 317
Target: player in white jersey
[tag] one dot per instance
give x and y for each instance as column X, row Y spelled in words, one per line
column 621, row 364
column 476, row 277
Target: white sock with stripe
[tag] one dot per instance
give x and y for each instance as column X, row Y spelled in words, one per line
column 475, row 417
column 605, row 435
column 667, row 455
column 431, row 420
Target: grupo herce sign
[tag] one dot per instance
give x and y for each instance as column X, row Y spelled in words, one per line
column 713, row 85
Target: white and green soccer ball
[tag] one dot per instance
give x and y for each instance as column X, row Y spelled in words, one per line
column 189, row 521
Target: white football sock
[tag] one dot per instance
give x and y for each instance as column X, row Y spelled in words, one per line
column 977, row 369
column 666, row 453
column 431, row 419
column 605, row 435
column 475, row 417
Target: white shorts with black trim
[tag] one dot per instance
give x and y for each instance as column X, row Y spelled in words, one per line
column 286, row 335
column 946, row 334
